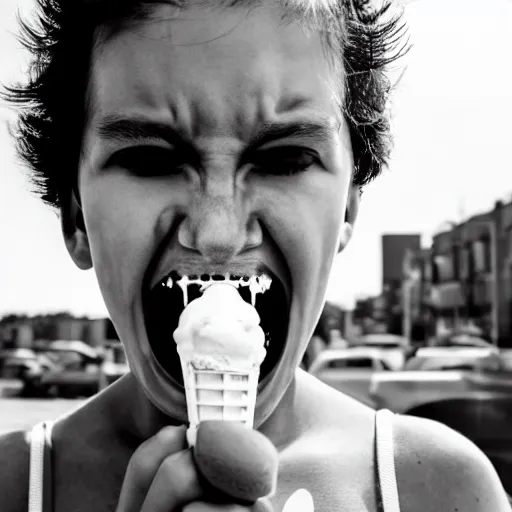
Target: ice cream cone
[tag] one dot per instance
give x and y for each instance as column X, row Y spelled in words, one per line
column 221, row 347
column 219, row 395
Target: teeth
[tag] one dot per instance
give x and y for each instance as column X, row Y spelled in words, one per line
column 256, row 284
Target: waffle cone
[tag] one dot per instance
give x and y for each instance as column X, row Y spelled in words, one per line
column 219, row 395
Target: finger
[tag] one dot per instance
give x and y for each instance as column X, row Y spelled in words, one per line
column 144, row 465
column 200, row 506
column 262, row 505
column 176, row 484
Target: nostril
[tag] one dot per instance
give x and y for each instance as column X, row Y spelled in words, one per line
column 186, row 236
column 254, row 236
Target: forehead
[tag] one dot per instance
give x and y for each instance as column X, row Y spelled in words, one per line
column 214, row 68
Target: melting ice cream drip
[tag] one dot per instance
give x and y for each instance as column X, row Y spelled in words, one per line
column 256, row 284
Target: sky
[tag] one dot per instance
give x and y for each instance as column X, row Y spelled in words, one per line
column 452, row 112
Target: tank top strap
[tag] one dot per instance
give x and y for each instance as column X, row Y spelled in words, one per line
column 385, row 458
column 40, row 473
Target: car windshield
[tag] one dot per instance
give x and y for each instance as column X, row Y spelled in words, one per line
column 359, row 362
column 63, row 358
column 377, row 344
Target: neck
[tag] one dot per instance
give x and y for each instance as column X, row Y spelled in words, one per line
column 137, row 419
column 134, row 415
column 282, row 426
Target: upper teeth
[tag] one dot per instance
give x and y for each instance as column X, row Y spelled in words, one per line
column 256, row 284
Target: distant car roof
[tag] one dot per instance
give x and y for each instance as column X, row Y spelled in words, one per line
column 74, row 346
column 456, row 351
column 462, row 340
column 381, row 339
column 349, row 353
column 18, row 353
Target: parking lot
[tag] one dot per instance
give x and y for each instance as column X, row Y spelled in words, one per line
column 22, row 413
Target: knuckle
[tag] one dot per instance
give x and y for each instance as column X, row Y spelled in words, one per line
column 262, row 505
column 168, row 434
column 178, row 469
column 177, row 474
column 140, row 465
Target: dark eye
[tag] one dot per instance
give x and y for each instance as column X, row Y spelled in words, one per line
column 284, row 160
column 147, row 161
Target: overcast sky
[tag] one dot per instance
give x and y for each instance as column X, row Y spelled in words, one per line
column 452, row 158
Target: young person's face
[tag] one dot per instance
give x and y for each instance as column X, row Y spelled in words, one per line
column 214, row 144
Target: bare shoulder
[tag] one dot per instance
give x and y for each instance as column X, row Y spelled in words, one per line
column 14, row 471
column 332, row 422
column 327, row 408
column 438, row 470
column 333, row 453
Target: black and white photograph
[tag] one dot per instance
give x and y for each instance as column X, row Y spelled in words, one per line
column 255, row 256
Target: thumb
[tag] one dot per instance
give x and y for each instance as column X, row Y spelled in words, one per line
column 262, row 505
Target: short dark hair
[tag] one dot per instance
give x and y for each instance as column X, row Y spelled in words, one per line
column 52, row 100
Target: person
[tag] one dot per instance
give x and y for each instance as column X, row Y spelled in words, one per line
column 188, row 138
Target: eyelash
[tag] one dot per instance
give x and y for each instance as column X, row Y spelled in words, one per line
column 147, row 161
column 285, row 160
column 153, row 161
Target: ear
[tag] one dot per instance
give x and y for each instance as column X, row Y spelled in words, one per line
column 353, row 201
column 75, row 234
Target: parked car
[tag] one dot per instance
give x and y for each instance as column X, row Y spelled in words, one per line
column 466, row 336
column 15, row 362
column 73, row 370
column 392, row 348
column 349, row 370
column 453, row 358
column 437, row 373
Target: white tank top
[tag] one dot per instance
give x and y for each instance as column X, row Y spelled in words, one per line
column 40, row 469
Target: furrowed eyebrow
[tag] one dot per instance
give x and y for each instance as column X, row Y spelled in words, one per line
column 122, row 129
column 314, row 131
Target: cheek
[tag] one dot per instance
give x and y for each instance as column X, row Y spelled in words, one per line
column 120, row 227
column 304, row 221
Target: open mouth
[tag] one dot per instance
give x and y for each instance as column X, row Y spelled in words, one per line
column 164, row 303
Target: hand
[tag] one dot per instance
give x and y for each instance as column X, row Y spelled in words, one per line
column 162, row 477
column 262, row 505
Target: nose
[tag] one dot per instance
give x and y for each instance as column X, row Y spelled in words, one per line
column 219, row 229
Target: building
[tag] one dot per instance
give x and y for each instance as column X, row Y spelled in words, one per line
column 20, row 331
column 466, row 276
column 395, row 251
column 418, row 325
